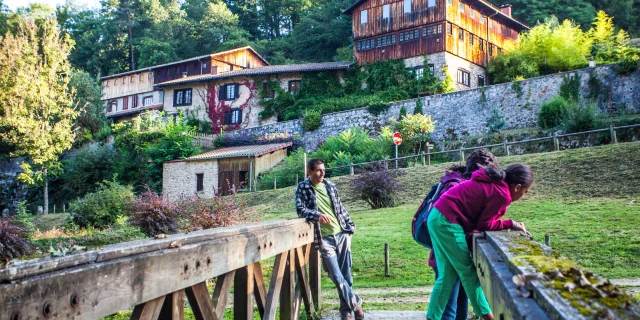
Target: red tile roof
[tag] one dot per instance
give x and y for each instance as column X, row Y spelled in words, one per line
column 241, row 151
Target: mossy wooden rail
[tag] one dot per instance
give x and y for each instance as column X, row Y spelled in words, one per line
column 154, row 275
column 523, row 279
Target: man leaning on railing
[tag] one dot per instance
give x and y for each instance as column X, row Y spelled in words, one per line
column 317, row 200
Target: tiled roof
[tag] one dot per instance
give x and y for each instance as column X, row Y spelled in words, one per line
column 241, row 151
column 285, row 68
column 133, row 111
column 186, row 60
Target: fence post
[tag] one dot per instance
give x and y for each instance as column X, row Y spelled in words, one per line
column 296, row 179
column 274, row 183
column 547, row 239
column 351, row 166
column 556, row 143
column 386, row 259
column 612, row 131
column 428, row 156
column 386, row 164
column 461, row 154
column 423, row 157
column 305, row 165
column 506, row 147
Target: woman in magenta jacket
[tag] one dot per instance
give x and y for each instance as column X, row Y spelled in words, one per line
column 472, row 206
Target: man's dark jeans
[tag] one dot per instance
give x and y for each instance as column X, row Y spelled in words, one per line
column 458, row 306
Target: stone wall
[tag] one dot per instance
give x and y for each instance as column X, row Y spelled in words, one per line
column 179, row 178
column 465, row 113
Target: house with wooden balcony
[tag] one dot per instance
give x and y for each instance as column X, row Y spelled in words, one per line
column 458, row 37
column 127, row 94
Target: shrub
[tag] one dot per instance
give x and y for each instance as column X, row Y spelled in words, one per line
column 512, row 66
column 12, row 240
column 155, row 214
column 570, row 87
column 102, row 208
column 378, row 188
column 215, row 212
column 312, row 120
column 496, row 121
column 552, row 112
column 403, row 113
column 377, row 108
column 23, row 220
column 629, row 62
column 580, row 117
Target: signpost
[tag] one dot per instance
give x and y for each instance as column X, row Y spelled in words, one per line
column 397, row 140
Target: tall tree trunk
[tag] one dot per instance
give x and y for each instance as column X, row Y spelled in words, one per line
column 46, row 193
column 132, row 65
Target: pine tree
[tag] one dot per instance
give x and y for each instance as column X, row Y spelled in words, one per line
column 418, row 109
column 35, row 101
column 403, row 113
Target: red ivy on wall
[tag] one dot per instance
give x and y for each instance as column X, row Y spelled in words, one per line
column 218, row 108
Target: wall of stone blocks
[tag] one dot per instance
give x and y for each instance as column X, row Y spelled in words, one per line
column 179, row 178
column 465, row 113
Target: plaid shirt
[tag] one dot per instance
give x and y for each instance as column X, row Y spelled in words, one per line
column 307, row 207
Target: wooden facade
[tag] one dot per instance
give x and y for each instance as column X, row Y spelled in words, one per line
column 473, row 30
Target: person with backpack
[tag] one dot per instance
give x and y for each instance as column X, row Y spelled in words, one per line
column 457, row 307
column 472, row 206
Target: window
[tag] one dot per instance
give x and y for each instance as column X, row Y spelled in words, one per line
column 464, row 77
column 439, row 29
column 432, row 68
column 147, row 101
column 132, row 79
column 363, row 16
column 490, row 49
column 182, row 97
column 471, row 41
column 472, row 13
column 386, row 12
column 267, row 92
column 432, row 3
column 481, row 45
column 490, row 23
column 113, row 106
column 461, row 7
column 229, row 92
column 450, row 2
column 134, row 101
column 243, row 179
column 199, row 182
column 401, row 36
column 461, row 34
column 480, row 81
column 359, row 46
column 108, row 83
column 393, row 38
column 449, row 29
column 407, row 6
column 140, row 77
column 378, row 42
column 416, row 33
column 294, row 86
column 233, row 117
column 125, row 103
column 149, row 75
column 419, row 71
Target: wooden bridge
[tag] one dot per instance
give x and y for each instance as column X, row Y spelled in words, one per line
column 153, row 276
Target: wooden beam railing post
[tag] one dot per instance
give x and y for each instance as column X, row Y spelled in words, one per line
column 221, row 293
column 243, row 286
column 200, row 301
column 148, row 310
column 275, row 287
column 173, row 308
column 287, row 293
column 314, row 276
column 260, row 290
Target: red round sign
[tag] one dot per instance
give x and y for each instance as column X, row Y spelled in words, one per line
column 397, row 138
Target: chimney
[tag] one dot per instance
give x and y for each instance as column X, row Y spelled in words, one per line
column 506, row 9
column 184, row 74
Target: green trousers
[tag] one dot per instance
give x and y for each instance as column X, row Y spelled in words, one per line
column 453, row 260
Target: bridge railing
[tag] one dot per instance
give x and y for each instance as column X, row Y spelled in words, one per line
column 154, row 275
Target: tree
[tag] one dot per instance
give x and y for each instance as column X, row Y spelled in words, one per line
column 607, row 45
column 35, row 99
column 88, row 104
column 416, row 129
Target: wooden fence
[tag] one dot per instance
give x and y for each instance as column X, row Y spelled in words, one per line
column 154, row 275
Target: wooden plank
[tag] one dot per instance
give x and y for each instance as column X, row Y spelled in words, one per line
column 173, row 308
column 28, row 268
column 305, row 251
column 221, row 293
column 275, row 286
column 287, row 293
column 149, row 310
column 108, row 287
column 200, row 301
column 260, row 291
column 243, row 293
column 303, row 280
column 315, row 275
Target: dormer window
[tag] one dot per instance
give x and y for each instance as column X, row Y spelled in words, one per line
column 363, row 17
column 432, row 3
column 461, row 7
column 386, row 12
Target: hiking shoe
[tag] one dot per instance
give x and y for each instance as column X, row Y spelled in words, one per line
column 358, row 313
column 346, row 316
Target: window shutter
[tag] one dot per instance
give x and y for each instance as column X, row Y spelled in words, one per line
column 239, row 116
column 126, row 103
column 222, row 94
column 236, row 91
column 227, row 118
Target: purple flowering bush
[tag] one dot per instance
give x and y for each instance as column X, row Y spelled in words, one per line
column 12, row 240
column 379, row 187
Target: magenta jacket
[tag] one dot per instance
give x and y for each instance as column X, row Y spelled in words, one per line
column 477, row 204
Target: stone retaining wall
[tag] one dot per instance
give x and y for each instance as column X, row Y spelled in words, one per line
column 465, row 113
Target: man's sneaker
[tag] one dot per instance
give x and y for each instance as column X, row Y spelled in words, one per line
column 358, row 312
column 346, row 316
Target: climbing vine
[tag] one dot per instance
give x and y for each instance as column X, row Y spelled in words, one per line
column 218, row 108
